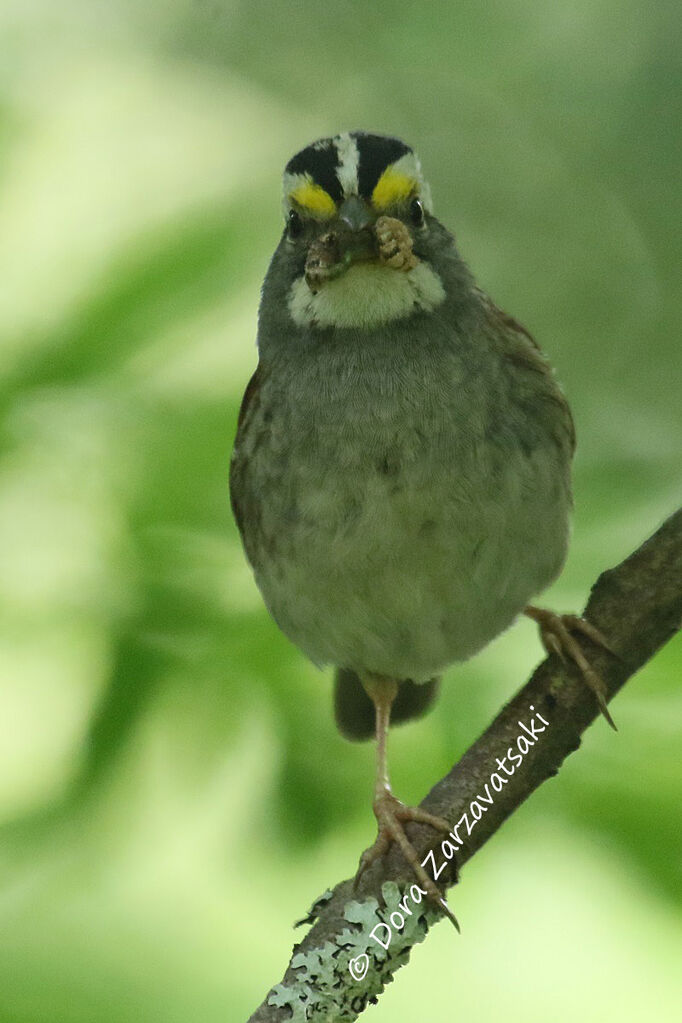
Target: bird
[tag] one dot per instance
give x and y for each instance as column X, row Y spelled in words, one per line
column 401, row 471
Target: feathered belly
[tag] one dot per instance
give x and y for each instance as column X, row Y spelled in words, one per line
column 402, row 561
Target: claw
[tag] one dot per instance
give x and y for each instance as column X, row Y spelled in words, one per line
column 552, row 645
column 605, row 710
column 376, row 851
column 555, row 633
column 590, row 630
column 389, row 813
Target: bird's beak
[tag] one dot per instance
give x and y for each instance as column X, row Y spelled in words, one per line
column 351, row 239
column 356, row 240
column 354, row 213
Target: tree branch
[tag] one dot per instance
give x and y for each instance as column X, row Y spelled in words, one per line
column 638, row 608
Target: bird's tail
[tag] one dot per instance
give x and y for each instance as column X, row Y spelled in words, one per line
column 354, row 711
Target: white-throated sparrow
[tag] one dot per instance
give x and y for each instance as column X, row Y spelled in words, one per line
column 401, row 473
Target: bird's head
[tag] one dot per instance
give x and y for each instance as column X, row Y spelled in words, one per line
column 357, row 244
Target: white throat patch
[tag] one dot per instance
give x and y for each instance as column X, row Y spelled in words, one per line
column 366, row 295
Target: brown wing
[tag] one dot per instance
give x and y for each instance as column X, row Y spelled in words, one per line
column 247, row 409
column 521, row 349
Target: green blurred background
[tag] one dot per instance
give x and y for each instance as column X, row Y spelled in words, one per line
column 173, row 793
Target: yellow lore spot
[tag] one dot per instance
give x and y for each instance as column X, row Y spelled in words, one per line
column 314, row 199
column 391, row 188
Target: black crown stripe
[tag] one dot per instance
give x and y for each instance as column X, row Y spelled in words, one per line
column 320, row 162
column 376, row 153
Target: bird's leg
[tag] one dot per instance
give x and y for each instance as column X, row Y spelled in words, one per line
column 388, row 810
column 555, row 633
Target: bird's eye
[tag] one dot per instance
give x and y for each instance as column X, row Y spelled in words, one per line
column 294, row 224
column 417, row 212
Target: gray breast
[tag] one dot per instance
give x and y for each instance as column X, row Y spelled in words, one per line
column 404, row 504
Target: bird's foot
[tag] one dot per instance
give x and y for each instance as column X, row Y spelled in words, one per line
column 555, row 633
column 390, row 813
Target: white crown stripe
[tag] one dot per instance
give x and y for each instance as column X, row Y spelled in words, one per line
column 348, row 170
column 349, row 160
